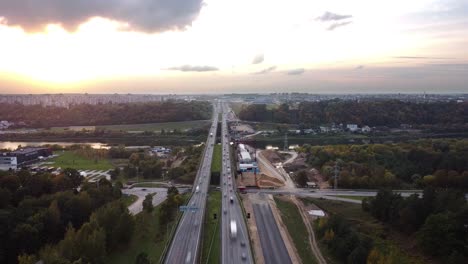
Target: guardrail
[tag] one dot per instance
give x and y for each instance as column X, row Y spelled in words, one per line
column 180, row 215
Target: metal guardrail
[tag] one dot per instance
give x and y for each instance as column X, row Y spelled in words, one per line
column 180, row 215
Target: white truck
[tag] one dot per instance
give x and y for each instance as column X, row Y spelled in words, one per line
column 233, row 229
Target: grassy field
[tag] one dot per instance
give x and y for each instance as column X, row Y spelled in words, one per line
column 146, row 238
column 158, row 126
column 150, row 185
column 70, row 159
column 297, row 229
column 184, row 125
column 211, row 230
column 217, row 156
column 129, row 199
column 359, row 198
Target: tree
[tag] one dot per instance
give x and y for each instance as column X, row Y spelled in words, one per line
column 74, row 176
column 301, row 178
column 148, row 203
column 115, row 173
column 142, row 258
column 436, row 237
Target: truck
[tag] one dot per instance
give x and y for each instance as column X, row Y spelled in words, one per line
column 233, row 229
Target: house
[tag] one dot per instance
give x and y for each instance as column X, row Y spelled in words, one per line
column 324, row 129
column 352, row 127
column 366, row 129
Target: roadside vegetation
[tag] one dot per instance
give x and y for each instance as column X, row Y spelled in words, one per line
column 297, row 229
column 417, row 164
column 211, row 251
column 83, row 158
column 153, row 229
column 349, row 235
column 37, row 116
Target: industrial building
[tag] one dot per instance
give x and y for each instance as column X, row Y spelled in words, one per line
column 16, row 159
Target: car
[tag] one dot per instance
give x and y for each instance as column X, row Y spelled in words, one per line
column 224, row 211
column 144, row 189
column 243, row 256
column 242, row 243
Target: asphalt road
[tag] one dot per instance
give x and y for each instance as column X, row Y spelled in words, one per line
column 273, row 247
column 235, row 249
column 137, row 206
column 186, row 241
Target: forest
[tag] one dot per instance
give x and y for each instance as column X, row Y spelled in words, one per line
column 390, row 113
column 38, row 116
column 414, row 164
column 45, row 217
column 437, row 220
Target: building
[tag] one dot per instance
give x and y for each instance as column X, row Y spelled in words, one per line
column 366, row 129
column 245, row 157
column 352, row 127
column 16, row 159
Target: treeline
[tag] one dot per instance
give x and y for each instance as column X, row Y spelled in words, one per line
column 390, row 113
column 105, row 114
column 187, row 171
column 43, row 209
column 439, row 220
column 343, row 241
column 436, row 163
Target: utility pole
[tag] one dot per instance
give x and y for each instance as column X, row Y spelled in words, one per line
column 336, row 175
column 286, row 141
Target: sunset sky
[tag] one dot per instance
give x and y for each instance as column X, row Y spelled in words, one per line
column 217, row 46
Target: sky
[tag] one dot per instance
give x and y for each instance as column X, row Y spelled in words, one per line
column 240, row 46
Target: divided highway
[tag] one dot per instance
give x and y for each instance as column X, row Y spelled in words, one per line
column 234, row 236
column 185, row 243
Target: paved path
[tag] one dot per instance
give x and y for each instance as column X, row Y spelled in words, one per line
column 158, row 198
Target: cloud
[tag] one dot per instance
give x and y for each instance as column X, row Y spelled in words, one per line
column 140, row 15
column 267, row 70
column 360, row 67
column 296, row 71
column 336, row 25
column 258, row 59
column 421, row 58
column 190, row 68
column 329, row 16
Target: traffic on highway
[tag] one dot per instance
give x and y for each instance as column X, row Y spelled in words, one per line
column 234, row 236
column 186, row 241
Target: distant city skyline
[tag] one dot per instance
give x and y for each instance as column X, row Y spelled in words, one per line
column 244, row 46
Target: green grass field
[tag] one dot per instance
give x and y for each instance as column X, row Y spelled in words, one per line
column 184, row 125
column 359, row 198
column 211, row 230
column 129, row 199
column 146, row 238
column 297, row 229
column 158, row 126
column 150, row 185
column 70, row 159
column 217, row 156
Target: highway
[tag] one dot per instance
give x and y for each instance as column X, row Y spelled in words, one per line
column 186, row 241
column 235, row 247
column 273, row 247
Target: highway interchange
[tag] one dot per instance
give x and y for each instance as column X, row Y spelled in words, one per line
column 186, row 241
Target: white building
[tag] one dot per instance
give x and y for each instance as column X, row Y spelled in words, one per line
column 245, row 157
column 352, row 127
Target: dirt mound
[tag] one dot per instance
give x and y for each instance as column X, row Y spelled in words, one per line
column 265, row 181
column 272, row 156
